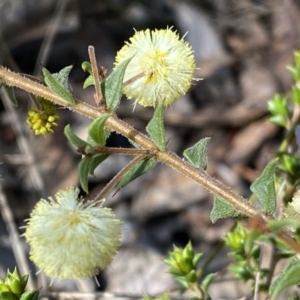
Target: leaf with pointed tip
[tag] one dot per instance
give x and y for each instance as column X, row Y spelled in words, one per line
column 89, row 81
column 63, row 76
column 97, row 130
column 73, row 138
column 197, row 154
column 58, row 83
column 222, row 209
column 111, row 87
column 288, row 277
column 207, row 280
column 87, row 167
column 136, row 171
column 264, row 188
column 155, row 127
column 11, row 95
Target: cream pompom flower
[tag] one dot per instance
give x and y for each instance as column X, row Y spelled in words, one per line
column 161, row 69
column 72, row 239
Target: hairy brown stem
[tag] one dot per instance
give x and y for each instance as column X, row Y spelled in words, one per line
column 171, row 159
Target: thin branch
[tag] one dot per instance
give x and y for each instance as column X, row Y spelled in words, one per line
column 97, row 80
column 118, row 177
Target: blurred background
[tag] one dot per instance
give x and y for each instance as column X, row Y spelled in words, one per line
column 241, row 49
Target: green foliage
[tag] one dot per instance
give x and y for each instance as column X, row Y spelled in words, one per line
column 136, row 171
column 288, row 277
column 264, row 188
column 222, row 209
column 11, row 95
column 73, row 138
column 197, row 154
column 86, row 67
column 13, row 287
column 111, row 87
column 296, row 95
column 87, row 167
column 97, row 130
column 155, row 128
column 164, row 296
column 290, row 164
column 183, row 265
column 278, row 107
column 246, row 254
column 58, row 83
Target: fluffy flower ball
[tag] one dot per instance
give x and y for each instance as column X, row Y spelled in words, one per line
column 161, row 69
column 72, row 239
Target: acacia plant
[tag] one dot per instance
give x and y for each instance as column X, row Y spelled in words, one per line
column 73, row 238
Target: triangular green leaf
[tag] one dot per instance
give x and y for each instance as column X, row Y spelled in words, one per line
column 136, row 171
column 264, row 188
column 197, row 154
column 63, row 76
column 58, row 83
column 155, row 127
column 288, row 277
column 87, row 167
column 11, row 95
column 222, row 209
column 97, row 130
column 112, row 86
column 73, row 138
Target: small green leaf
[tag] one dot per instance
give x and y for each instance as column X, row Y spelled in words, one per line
column 278, row 120
column 89, row 81
column 278, row 105
column 11, row 95
column 264, row 188
column 278, row 225
column 182, row 281
column 288, row 277
column 97, row 130
column 294, row 72
column 250, row 239
column 73, row 138
column 87, row 167
column 296, row 95
column 222, row 209
column 207, row 281
column 197, row 154
column 58, row 83
column 297, row 59
column 62, row 76
column 86, row 67
column 191, row 276
column 155, row 128
column 112, row 86
column 136, row 171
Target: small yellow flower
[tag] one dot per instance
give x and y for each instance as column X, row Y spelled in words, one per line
column 162, row 67
column 70, row 238
column 45, row 121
